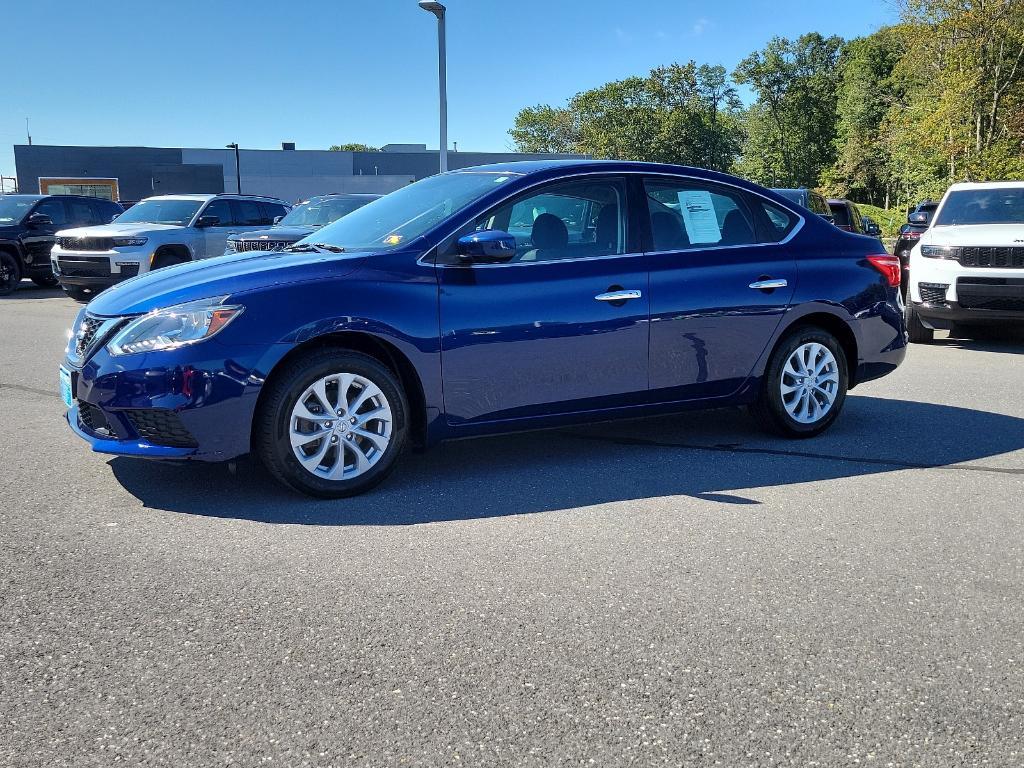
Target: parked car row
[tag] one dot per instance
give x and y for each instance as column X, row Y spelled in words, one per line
column 88, row 244
column 843, row 213
column 480, row 301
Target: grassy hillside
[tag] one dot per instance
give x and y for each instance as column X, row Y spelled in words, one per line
column 889, row 221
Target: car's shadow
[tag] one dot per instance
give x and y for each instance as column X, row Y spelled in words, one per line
column 29, row 290
column 1005, row 340
column 709, row 455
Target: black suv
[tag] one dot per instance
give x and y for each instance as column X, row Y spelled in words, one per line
column 918, row 219
column 28, row 224
column 304, row 219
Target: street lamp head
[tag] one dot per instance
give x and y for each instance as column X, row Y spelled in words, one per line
column 233, row 145
column 434, row 7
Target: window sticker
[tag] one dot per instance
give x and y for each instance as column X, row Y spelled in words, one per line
column 699, row 216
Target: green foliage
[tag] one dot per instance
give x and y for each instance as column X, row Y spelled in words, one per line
column 791, row 129
column 681, row 113
column 889, row 220
column 353, row 147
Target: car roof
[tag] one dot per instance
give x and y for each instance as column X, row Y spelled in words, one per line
column 21, row 196
column 611, row 166
column 986, row 185
column 202, row 198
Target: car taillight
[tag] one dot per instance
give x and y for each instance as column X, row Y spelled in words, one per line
column 888, row 265
column 912, row 235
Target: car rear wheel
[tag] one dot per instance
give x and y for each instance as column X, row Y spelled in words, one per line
column 916, row 331
column 804, row 385
column 332, row 424
column 10, row 273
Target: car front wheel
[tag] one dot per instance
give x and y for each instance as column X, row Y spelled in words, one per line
column 10, row 273
column 804, row 385
column 332, row 424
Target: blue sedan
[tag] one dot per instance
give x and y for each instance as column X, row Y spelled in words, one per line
column 485, row 300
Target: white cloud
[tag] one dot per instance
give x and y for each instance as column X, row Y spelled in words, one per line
column 701, row 25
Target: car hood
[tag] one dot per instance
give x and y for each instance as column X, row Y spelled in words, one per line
column 975, row 234
column 275, row 233
column 219, row 276
column 115, row 229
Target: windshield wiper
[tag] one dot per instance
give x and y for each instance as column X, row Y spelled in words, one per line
column 315, row 248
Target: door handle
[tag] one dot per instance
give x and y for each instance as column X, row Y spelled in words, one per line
column 769, row 284
column 618, row 296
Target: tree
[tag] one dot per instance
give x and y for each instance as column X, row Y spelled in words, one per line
column 353, row 147
column 681, row 113
column 791, row 127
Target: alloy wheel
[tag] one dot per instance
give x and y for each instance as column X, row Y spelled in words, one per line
column 340, row 426
column 809, row 383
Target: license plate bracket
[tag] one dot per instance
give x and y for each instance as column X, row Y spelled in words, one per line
column 67, row 393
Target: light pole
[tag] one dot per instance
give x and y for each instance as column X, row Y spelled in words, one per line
column 438, row 10
column 238, row 168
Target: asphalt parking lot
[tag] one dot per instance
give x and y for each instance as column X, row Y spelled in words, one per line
column 679, row 590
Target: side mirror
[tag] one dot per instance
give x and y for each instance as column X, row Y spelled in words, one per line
column 39, row 220
column 489, row 246
column 114, row 216
column 918, row 218
column 277, row 219
column 828, row 217
column 207, row 221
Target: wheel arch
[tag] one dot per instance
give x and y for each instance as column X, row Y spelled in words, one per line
column 834, row 324
column 381, row 350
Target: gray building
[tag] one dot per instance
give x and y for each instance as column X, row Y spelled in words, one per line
column 132, row 173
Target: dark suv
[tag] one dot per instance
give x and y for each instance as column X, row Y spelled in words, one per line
column 304, row 219
column 919, row 218
column 28, row 224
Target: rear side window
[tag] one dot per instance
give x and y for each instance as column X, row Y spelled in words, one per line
column 841, row 214
column 80, row 213
column 780, row 222
column 272, row 210
column 688, row 214
column 818, row 205
column 249, row 214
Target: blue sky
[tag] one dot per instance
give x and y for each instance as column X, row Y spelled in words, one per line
column 318, row 72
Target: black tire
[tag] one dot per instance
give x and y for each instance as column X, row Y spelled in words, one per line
column 271, row 425
column 10, row 273
column 770, row 411
column 45, row 281
column 78, row 294
column 916, row 331
column 168, row 257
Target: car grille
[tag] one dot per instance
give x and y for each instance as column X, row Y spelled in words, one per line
column 260, row 245
column 1006, row 257
column 933, row 293
column 991, row 293
column 160, row 427
column 85, row 266
column 86, row 334
column 86, row 243
column 92, row 418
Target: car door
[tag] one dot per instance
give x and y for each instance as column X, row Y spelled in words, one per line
column 563, row 326
column 215, row 238
column 721, row 279
column 38, row 239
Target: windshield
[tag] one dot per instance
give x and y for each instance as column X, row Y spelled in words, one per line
column 408, row 213
column 320, row 211
column 178, row 212
column 14, row 207
column 982, row 206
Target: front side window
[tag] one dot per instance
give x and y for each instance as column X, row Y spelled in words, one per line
column 81, row 212
column 404, row 215
column 13, row 208
column 1001, row 205
column 222, row 210
column 687, row 214
column 566, row 220
column 55, row 210
column 159, row 211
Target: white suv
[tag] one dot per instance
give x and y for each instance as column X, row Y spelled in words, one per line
column 968, row 266
column 154, row 233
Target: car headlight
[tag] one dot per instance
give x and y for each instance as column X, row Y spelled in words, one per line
column 174, row 327
column 123, row 242
column 940, row 252
column 231, row 246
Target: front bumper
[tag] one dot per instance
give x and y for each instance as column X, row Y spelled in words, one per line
column 97, row 269
column 943, row 316
column 193, row 403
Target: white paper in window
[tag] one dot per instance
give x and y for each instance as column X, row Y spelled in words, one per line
column 699, row 216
